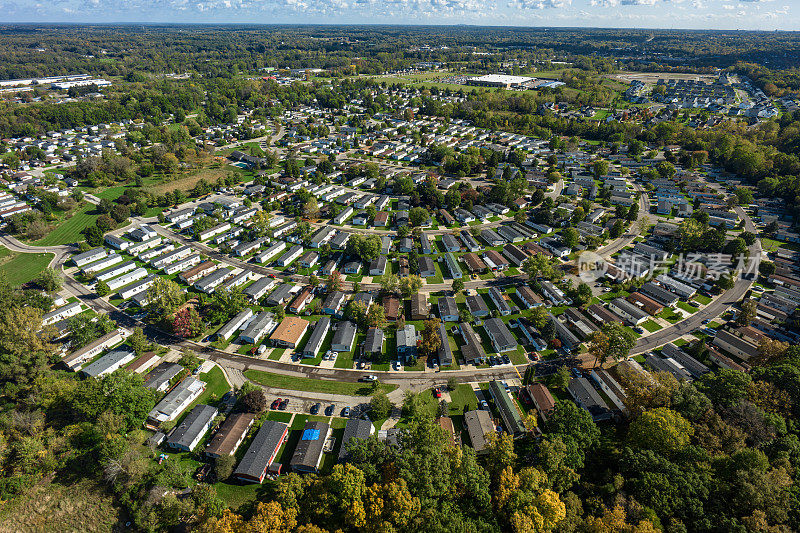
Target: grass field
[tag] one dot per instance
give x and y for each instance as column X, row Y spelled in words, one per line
column 70, row 230
column 19, row 269
column 280, row 381
column 651, row 326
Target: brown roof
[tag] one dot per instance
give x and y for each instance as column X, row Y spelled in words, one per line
column 648, row 305
column 496, row 258
column 230, row 434
column 534, row 248
column 474, row 263
column 301, row 298
column 419, row 305
column 446, row 423
column 541, row 398
column 392, row 306
column 290, row 330
column 527, row 294
column 197, row 270
column 143, row 362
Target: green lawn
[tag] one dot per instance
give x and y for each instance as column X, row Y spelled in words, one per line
column 216, row 387
column 703, row 300
column 19, row 269
column 687, row 307
column 651, row 326
column 69, row 231
column 281, row 381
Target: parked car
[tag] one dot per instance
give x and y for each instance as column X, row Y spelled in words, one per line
column 437, row 393
column 484, row 405
column 329, row 410
column 276, row 404
column 315, row 408
column 346, row 412
column 284, row 404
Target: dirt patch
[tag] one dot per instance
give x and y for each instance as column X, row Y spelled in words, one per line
column 85, row 506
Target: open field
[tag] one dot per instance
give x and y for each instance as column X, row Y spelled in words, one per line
column 313, row 385
column 69, row 231
column 51, row 506
column 19, row 269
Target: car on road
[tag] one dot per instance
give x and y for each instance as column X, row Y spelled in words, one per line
column 329, row 410
column 368, row 379
column 346, row 412
column 315, row 408
column 706, row 321
column 284, row 404
column 638, row 330
column 276, row 404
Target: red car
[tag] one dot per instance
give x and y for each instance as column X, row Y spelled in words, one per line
column 437, row 392
column 271, row 276
column 275, row 404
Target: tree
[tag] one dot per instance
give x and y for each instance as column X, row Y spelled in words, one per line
column 189, row 360
column 311, row 208
column 570, row 237
column 661, row 430
column 747, row 312
column 389, row 283
column 538, row 265
column 102, row 289
column 725, row 282
column 431, row 341
column 49, row 280
column 223, row 467
column 376, row 316
column 410, row 285
column 138, row 341
column 380, row 406
column 418, row 216
column 187, row 323
column 598, row 347
column 164, row 296
column 620, row 341
column 335, row 281
column 458, row 285
column 600, row 168
column 254, row 401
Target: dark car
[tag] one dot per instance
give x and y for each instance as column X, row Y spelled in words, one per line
column 346, row 412
column 506, row 359
column 276, row 404
column 329, row 410
column 315, row 408
column 284, row 404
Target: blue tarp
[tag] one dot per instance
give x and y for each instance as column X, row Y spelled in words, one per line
column 310, row 434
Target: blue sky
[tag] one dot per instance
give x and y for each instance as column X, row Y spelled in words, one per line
column 700, row 14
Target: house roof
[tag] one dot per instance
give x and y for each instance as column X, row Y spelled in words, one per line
column 265, row 444
column 373, row 343
column 356, row 428
column 290, row 330
column 309, row 447
column 229, row 435
column 479, row 424
column 195, row 424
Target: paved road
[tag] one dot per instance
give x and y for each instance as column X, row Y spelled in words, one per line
column 712, row 310
column 615, row 246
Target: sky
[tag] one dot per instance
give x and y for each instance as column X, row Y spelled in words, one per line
column 677, row 14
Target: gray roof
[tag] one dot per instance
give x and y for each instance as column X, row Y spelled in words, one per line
column 586, row 395
column 256, row 459
column 500, row 334
column 318, row 335
column 280, row 294
column 345, row 334
column 161, row 374
column 407, row 336
column 106, row 362
column 356, row 428
column 447, row 306
column 476, row 303
column 195, row 424
column 308, row 451
column 374, row 341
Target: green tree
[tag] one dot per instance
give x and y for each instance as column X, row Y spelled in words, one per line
column 661, row 430
column 164, row 296
column 380, row 406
